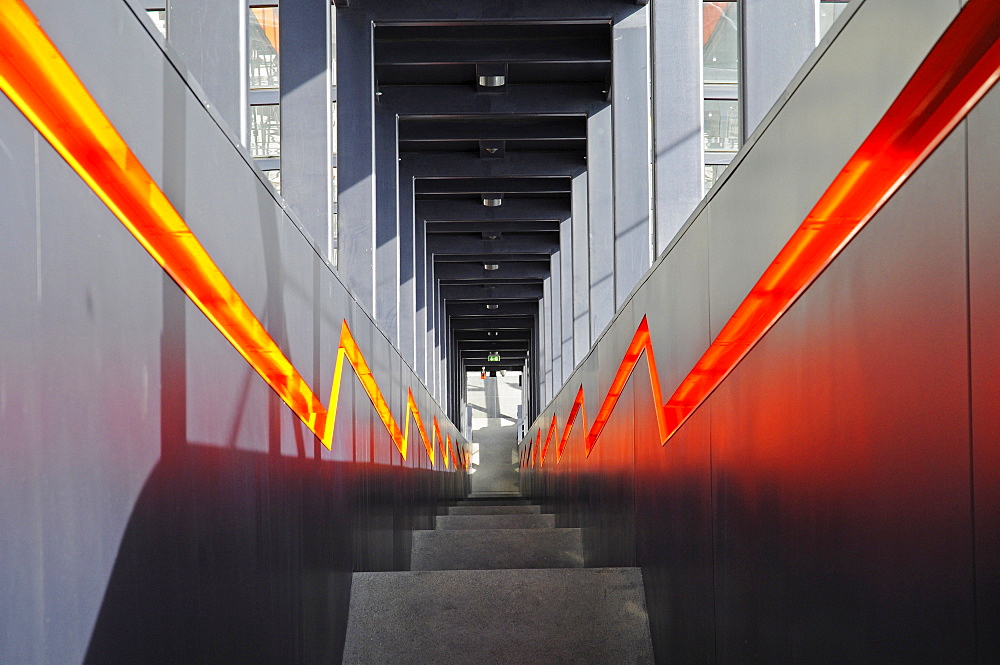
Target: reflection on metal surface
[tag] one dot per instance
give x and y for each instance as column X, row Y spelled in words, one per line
column 961, row 67
column 39, row 81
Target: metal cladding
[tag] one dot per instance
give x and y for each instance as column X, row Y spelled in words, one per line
column 822, row 445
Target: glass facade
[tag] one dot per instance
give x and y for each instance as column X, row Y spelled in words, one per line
column 829, row 10
column 721, row 48
column 720, row 23
column 274, row 176
column 265, row 135
column 264, row 47
column 722, row 125
column 712, row 173
column 159, row 18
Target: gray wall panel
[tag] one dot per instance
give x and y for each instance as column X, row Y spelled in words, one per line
column 630, row 105
column 140, row 451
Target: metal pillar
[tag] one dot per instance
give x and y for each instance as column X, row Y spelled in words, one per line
column 211, row 38
column 306, row 126
column 630, row 103
column 600, row 192
column 777, row 39
column 678, row 147
column 356, row 143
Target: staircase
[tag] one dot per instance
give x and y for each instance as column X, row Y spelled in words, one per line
column 496, row 582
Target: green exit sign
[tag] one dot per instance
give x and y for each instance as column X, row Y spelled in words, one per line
column 493, row 357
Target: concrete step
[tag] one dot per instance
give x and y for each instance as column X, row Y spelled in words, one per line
column 487, row 549
column 494, row 510
column 495, row 521
column 495, row 502
column 590, row 616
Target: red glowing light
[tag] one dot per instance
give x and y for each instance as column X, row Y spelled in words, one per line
column 574, row 412
column 39, row 81
column 553, row 430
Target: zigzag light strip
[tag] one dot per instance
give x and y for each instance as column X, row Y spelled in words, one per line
column 958, row 71
column 39, row 81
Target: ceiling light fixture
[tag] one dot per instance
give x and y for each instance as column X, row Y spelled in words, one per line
column 492, row 81
column 493, row 306
column 491, row 266
column 492, row 201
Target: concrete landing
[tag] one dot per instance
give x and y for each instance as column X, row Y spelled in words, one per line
column 592, row 616
column 482, row 549
column 495, row 522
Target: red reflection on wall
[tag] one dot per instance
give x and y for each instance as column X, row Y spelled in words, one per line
column 961, row 67
column 39, row 81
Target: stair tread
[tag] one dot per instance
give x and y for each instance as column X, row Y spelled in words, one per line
column 494, row 510
column 527, row 521
column 487, row 549
column 589, row 616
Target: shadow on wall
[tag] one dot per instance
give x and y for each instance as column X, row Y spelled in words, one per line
column 239, row 557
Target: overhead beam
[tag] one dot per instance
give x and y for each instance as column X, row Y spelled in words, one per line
column 475, row 271
column 484, row 293
column 494, row 257
column 537, row 243
column 492, row 128
column 511, row 185
column 479, row 336
column 512, row 164
column 492, row 227
column 444, row 52
column 450, row 99
column 499, row 323
column 529, row 209
column 479, row 309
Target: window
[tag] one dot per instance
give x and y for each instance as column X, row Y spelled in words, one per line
column 264, row 70
column 829, row 10
column 274, row 175
column 712, row 173
column 721, row 42
column 721, row 76
column 159, row 18
column 265, row 136
column 722, row 125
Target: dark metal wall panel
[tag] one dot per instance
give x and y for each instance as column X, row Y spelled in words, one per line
column 984, row 315
column 832, row 501
column 843, row 522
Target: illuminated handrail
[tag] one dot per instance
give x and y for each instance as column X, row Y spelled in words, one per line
column 957, row 72
column 43, row 86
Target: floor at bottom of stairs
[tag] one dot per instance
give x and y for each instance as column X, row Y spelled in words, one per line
column 585, row 616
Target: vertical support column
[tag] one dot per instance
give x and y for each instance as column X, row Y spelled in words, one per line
column 678, row 147
column 356, row 153
column 387, row 245
column 407, row 298
column 566, row 297
column 601, row 201
column 777, row 39
column 630, row 103
column 211, row 38
column 581, row 268
column 555, row 321
column 306, row 127
column 545, row 339
column 420, row 301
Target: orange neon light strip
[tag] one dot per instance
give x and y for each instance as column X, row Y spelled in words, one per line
column 959, row 70
column 39, row 81
column 574, row 412
column 553, row 431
